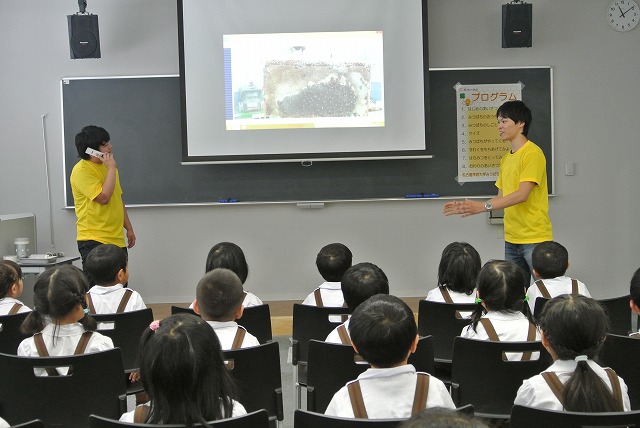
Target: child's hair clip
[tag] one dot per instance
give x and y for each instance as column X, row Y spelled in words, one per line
column 478, row 300
column 526, row 298
column 154, row 325
column 85, row 310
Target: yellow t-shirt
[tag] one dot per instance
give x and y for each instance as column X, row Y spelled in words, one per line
column 102, row 223
column 527, row 222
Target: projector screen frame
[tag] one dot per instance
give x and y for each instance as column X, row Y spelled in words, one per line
column 422, row 152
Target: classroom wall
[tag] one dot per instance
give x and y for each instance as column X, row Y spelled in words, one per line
column 594, row 214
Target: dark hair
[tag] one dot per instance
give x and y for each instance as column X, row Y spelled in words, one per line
column 459, row 267
column 516, row 111
column 57, row 291
column 438, row 417
column 634, row 288
column 10, row 273
column 550, row 259
column 104, row 262
column 93, row 137
column 383, row 329
column 333, row 260
column 362, row 281
column 219, row 294
column 182, row 370
column 229, row 256
column 577, row 325
column 501, row 286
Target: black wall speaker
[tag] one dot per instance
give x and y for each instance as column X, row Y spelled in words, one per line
column 84, row 38
column 516, row 25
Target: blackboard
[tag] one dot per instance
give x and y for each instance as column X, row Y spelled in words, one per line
column 142, row 114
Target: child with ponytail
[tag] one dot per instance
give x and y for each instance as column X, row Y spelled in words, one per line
column 502, row 313
column 11, row 288
column 59, row 321
column 573, row 330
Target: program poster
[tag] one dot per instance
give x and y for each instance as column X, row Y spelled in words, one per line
column 479, row 145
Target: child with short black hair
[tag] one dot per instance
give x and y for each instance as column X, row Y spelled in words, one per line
column 502, row 313
column 550, row 262
column 219, row 297
column 183, row 372
column 574, row 328
column 359, row 282
column 230, row 256
column 108, row 266
column 457, row 272
column 11, row 287
column 332, row 262
column 634, row 293
column 384, row 333
column 59, row 298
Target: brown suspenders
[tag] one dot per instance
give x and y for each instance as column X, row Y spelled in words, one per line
column 558, row 388
column 545, row 292
column 140, row 414
column 239, row 338
column 14, row 309
column 123, row 302
column 419, row 397
column 42, row 349
column 445, row 294
column 318, row 296
column 493, row 336
column 344, row 335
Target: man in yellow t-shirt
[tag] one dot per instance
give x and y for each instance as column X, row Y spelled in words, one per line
column 522, row 189
column 97, row 195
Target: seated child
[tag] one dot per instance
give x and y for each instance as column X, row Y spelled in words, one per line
column 634, row 293
column 184, row 374
column 442, row 418
column 218, row 301
column 59, row 295
column 332, row 262
column 359, row 282
column 384, row 333
column 457, row 273
column 550, row 261
column 108, row 266
column 230, row 256
column 11, row 288
column 500, row 313
column 573, row 330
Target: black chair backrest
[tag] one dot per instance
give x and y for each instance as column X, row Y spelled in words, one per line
column 619, row 314
column 530, row 417
column 330, row 366
column 10, row 336
column 539, row 306
column 306, row 419
column 256, row 319
column 256, row 371
column 481, row 377
column 439, row 320
column 125, row 329
column 258, row 419
column 620, row 353
column 311, row 322
column 97, row 386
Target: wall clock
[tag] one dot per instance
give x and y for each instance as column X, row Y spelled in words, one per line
column 623, row 15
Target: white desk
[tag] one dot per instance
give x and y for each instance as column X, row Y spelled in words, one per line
column 38, row 268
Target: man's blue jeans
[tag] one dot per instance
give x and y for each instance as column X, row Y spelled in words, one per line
column 520, row 254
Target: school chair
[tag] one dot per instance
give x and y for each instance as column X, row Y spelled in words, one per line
column 621, row 353
column 307, row 419
column 620, row 314
column 10, row 336
column 481, row 376
column 309, row 322
column 257, row 373
column 256, row 319
column 331, row 366
column 530, row 417
column 444, row 322
column 95, row 387
column 257, row 419
column 125, row 329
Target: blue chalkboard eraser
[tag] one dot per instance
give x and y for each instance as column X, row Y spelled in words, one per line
column 430, row 195
column 413, row 195
column 227, row 201
column 223, row 201
column 233, row 200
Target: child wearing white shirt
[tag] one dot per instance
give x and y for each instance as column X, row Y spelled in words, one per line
column 11, row 287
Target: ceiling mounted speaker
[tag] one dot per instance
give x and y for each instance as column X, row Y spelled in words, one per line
column 517, row 25
column 84, row 37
